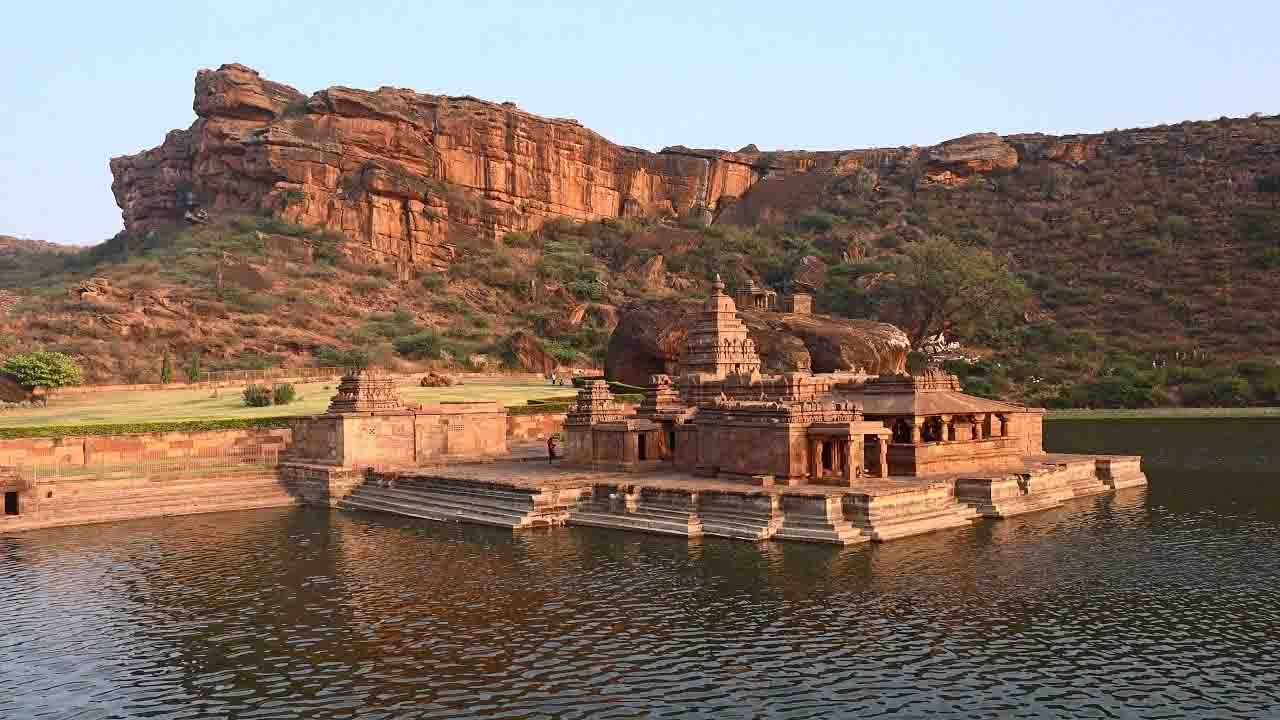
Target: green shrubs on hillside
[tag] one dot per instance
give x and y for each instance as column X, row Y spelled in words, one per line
column 422, row 345
column 44, row 368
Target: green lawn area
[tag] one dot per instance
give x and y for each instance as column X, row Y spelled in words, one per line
column 313, row 398
column 1163, row 413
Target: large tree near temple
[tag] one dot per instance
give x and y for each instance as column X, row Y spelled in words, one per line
column 939, row 285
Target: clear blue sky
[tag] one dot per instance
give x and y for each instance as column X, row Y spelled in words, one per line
column 83, row 82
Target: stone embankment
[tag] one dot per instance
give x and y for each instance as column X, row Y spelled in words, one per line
column 523, row 495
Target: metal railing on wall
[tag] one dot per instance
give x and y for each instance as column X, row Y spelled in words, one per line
column 202, row 463
column 300, row 374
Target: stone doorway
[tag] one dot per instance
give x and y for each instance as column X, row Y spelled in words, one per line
column 11, row 503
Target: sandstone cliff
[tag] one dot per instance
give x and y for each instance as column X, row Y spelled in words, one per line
column 401, row 174
column 651, row 336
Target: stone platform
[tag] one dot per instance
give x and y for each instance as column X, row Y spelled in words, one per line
column 518, row 493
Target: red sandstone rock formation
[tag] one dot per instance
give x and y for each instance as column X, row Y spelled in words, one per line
column 401, row 173
column 954, row 160
column 398, row 172
column 651, row 336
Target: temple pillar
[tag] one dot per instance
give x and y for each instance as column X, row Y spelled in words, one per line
column 815, row 460
column 847, row 454
column 1004, row 425
column 915, row 431
column 882, row 444
column 948, row 428
column 977, row 428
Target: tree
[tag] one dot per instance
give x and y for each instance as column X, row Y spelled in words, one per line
column 166, row 369
column 939, row 286
column 1269, row 184
column 193, row 367
column 45, row 369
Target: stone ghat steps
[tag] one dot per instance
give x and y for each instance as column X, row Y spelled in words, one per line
column 651, row 519
column 435, row 506
column 881, row 529
column 815, row 529
column 477, row 495
column 735, row 525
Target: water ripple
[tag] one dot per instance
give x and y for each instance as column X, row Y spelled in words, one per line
column 1156, row 603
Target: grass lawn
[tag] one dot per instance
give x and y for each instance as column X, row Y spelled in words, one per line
column 313, row 398
column 1163, row 413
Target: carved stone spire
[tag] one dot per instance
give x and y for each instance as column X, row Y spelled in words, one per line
column 365, row 391
column 718, row 344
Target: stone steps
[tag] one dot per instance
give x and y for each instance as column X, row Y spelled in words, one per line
column 738, row 525
column 957, row 515
column 442, row 507
column 652, row 519
column 471, row 496
column 808, row 528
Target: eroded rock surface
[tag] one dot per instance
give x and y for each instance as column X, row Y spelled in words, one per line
column 954, row 160
column 651, row 334
column 403, row 175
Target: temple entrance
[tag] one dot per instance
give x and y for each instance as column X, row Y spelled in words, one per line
column 828, row 458
column 671, row 444
column 644, row 446
column 11, row 502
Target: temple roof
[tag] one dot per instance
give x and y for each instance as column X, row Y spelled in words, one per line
column 933, row 392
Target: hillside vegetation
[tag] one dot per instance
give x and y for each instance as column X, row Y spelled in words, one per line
column 1149, row 268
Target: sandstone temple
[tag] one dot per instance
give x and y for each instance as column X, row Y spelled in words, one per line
column 717, row 448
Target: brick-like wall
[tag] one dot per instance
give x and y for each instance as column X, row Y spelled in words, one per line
column 123, row 449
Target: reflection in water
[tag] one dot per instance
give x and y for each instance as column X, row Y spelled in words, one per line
column 1152, row 603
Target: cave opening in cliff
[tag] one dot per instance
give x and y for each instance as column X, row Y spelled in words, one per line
column 11, row 502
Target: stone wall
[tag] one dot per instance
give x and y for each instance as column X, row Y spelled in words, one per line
column 123, row 449
column 522, row 428
column 90, row 496
column 428, row 435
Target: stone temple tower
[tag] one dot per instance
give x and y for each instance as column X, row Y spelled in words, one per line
column 718, row 345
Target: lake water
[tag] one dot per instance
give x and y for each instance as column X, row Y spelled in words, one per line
column 1153, row 603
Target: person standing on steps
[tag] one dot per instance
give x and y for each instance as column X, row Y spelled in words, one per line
column 552, row 446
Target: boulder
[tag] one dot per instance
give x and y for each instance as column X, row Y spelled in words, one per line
column 436, row 380
column 650, row 338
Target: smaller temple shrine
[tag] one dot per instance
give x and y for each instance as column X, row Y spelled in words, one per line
column 751, row 295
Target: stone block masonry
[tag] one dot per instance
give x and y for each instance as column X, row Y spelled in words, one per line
column 67, row 452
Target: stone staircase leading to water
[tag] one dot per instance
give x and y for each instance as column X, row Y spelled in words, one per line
column 609, row 508
column 446, row 500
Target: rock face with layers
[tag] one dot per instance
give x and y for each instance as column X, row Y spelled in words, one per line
column 954, row 160
column 650, row 338
column 404, row 175
column 401, row 173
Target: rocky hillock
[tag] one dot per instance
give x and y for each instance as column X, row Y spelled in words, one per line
column 286, row 229
column 650, row 338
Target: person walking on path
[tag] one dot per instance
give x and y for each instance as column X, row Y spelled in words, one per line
column 552, row 446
